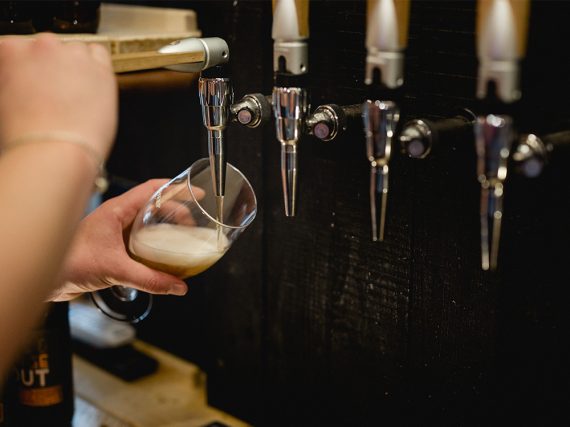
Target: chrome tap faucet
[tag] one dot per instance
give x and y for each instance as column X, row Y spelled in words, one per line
column 290, row 108
column 290, row 100
column 386, row 39
column 493, row 141
column 380, row 121
column 501, row 38
column 216, row 96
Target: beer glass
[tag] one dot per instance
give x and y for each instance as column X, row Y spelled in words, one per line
column 182, row 230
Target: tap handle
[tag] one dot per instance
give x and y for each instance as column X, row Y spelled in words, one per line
column 502, row 27
column 386, row 38
column 493, row 141
column 290, row 32
column 214, row 49
column 290, row 20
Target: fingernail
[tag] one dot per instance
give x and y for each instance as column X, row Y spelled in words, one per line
column 178, row 289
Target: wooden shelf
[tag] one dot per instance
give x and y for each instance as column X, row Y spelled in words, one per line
column 133, row 28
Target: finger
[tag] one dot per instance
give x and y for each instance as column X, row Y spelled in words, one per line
column 128, row 204
column 175, row 212
column 78, row 48
column 139, row 276
column 46, row 42
column 198, row 193
column 12, row 45
column 100, row 54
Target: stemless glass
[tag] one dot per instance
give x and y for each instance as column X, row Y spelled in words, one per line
column 182, row 231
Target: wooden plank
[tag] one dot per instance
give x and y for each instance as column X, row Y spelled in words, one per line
column 173, row 396
column 88, row 415
column 127, row 29
column 138, row 61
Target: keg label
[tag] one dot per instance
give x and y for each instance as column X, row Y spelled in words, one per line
column 46, row 396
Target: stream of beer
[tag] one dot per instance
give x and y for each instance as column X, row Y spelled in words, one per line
column 220, row 218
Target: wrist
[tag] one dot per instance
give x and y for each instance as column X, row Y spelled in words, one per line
column 69, row 139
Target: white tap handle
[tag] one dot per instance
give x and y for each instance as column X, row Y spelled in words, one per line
column 386, row 38
column 502, row 27
column 290, row 32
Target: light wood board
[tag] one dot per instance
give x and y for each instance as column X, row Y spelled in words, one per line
column 174, row 396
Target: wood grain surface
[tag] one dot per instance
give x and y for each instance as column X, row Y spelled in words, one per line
column 174, row 396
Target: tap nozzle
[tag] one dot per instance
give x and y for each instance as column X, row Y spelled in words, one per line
column 289, row 108
column 493, row 139
column 380, row 121
column 216, row 96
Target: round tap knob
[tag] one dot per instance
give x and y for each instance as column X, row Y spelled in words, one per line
column 530, row 155
column 420, row 137
column 252, row 110
column 326, row 122
column 416, row 139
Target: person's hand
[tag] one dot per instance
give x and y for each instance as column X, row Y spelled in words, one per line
column 98, row 255
column 64, row 87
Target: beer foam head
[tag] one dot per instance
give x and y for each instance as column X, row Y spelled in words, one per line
column 179, row 245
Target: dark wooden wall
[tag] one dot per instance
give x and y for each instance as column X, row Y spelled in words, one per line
column 306, row 321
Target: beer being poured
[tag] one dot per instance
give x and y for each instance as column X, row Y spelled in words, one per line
column 179, row 231
column 220, row 218
column 177, row 249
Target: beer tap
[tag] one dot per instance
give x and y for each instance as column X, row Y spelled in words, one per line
column 386, row 39
column 290, row 99
column 215, row 94
column 501, row 39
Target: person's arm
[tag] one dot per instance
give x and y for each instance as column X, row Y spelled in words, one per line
column 43, row 192
column 47, row 90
